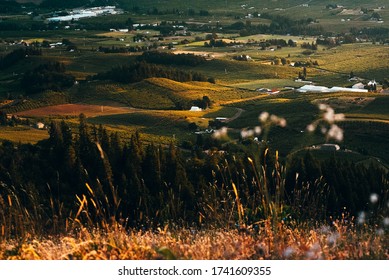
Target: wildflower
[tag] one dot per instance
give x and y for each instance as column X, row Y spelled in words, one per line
column 314, row 252
column 263, row 116
column 361, row 218
column 288, row 252
column 339, row 117
column 329, row 115
column 220, row 132
column 323, row 107
column 257, row 130
column 274, row 118
column 311, row 127
column 330, row 129
column 386, row 221
column 246, row 133
column 335, row 132
column 374, row 198
column 380, row 232
column 282, row 122
column 324, row 229
column 332, row 238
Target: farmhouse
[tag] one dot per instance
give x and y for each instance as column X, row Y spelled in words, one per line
column 39, row 125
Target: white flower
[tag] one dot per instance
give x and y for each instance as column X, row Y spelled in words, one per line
column 386, row 221
column 274, row 118
column 332, row 238
column 329, row 115
column 220, row 132
column 282, row 122
column 335, row 132
column 323, row 107
column 257, row 130
column 361, row 218
column 339, row 117
column 288, row 252
column 263, row 116
column 247, row 133
column 374, row 198
column 380, row 232
column 311, row 127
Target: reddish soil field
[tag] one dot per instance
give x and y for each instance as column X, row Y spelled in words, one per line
column 75, row 110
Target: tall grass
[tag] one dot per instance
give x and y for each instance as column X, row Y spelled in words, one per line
column 228, row 231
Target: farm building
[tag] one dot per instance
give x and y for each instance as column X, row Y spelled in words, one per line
column 339, row 89
column 39, row 125
column 359, row 86
column 195, row 109
column 312, row 88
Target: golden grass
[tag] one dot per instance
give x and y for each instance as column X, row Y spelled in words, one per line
column 340, row 241
column 354, row 57
column 75, row 110
column 23, row 134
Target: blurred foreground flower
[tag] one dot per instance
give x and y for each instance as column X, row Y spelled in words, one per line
column 328, row 128
column 220, row 133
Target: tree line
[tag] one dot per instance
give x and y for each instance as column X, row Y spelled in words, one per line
column 49, row 76
column 16, row 55
column 279, row 25
column 144, row 183
column 138, row 71
column 166, row 58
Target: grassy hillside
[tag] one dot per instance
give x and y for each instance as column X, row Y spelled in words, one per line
column 365, row 128
column 155, row 93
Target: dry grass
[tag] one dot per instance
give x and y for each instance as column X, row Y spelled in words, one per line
column 343, row 240
column 75, row 110
column 23, row 134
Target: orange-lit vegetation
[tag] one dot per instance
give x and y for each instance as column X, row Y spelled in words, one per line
column 343, row 240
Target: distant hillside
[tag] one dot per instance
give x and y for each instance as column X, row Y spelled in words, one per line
column 215, row 4
column 247, row 5
column 155, row 93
